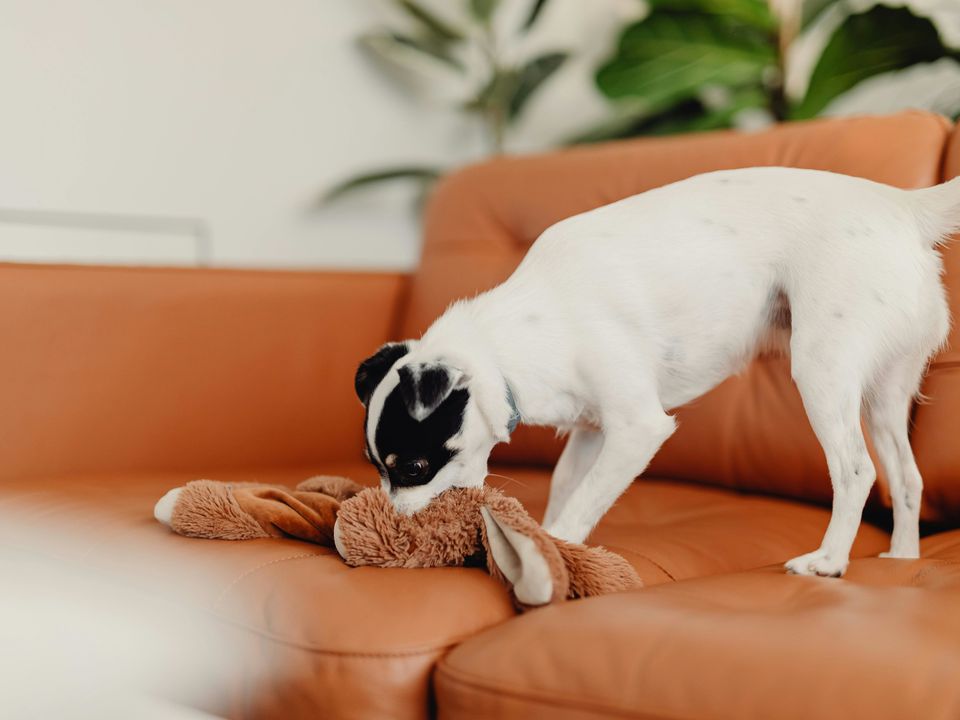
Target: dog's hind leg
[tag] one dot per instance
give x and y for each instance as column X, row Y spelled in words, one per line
column 578, row 455
column 888, row 416
column 831, row 386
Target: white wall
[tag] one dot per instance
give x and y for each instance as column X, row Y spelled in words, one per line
column 203, row 131
column 184, row 131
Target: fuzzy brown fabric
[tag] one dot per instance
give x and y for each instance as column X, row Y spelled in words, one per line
column 451, row 531
column 596, row 570
column 444, row 533
column 208, row 509
column 306, row 516
column 339, row 488
column 247, row 511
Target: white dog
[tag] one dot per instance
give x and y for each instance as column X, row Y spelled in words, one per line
column 620, row 314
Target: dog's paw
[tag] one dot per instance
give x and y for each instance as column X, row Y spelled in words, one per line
column 163, row 510
column 817, row 562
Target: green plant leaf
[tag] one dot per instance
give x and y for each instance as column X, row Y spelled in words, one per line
column 430, row 22
column 813, row 9
column 535, row 10
column 670, row 56
column 690, row 115
column 421, row 174
column 755, row 13
column 621, row 124
column 530, row 77
column 882, row 39
column 483, row 10
column 390, row 47
column 694, row 116
column 685, row 117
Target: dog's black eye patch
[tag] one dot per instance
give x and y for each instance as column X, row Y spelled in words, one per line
column 419, row 445
column 374, row 368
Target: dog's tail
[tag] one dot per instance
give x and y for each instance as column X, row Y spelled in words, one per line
column 938, row 211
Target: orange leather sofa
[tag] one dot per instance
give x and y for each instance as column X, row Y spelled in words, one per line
column 120, row 383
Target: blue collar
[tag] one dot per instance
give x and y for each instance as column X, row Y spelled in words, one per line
column 514, row 411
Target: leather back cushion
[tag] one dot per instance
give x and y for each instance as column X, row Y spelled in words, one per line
column 750, row 432
column 936, row 428
column 164, row 369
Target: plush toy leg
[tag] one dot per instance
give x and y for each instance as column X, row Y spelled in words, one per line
column 208, row 509
column 303, row 515
column 163, row 510
column 338, row 488
column 596, row 570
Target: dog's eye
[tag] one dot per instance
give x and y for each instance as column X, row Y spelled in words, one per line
column 415, row 469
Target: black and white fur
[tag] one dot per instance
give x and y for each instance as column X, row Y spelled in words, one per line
column 620, row 314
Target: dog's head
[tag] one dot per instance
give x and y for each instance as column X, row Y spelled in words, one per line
column 430, row 422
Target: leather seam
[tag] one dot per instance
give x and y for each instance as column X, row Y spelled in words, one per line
column 944, row 365
column 465, row 679
column 424, row 650
column 226, row 590
column 923, row 573
column 625, row 551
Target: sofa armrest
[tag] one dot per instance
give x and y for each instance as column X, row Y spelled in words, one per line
column 147, row 369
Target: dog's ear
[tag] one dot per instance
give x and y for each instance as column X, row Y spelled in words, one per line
column 373, row 369
column 424, row 386
column 523, row 554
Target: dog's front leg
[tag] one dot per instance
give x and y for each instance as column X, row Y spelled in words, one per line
column 629, row 443
column 578, row 455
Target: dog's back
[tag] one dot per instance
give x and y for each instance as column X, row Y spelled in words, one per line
column 713, row 267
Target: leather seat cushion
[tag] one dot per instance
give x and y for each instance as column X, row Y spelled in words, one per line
column 672, row 530
column 884, row 642
column 363, row 642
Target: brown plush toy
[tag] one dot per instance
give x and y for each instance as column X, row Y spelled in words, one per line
column 246, row 511
column 476, row 526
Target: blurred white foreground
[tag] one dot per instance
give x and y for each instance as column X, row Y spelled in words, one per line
column 80, row 644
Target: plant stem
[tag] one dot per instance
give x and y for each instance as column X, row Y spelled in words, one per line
column 495, row 115
column 496, row 127
column 787, row 13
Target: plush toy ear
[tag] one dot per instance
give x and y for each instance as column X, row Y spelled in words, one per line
column 374, row 368
column 524, row 555
column 424, row 386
